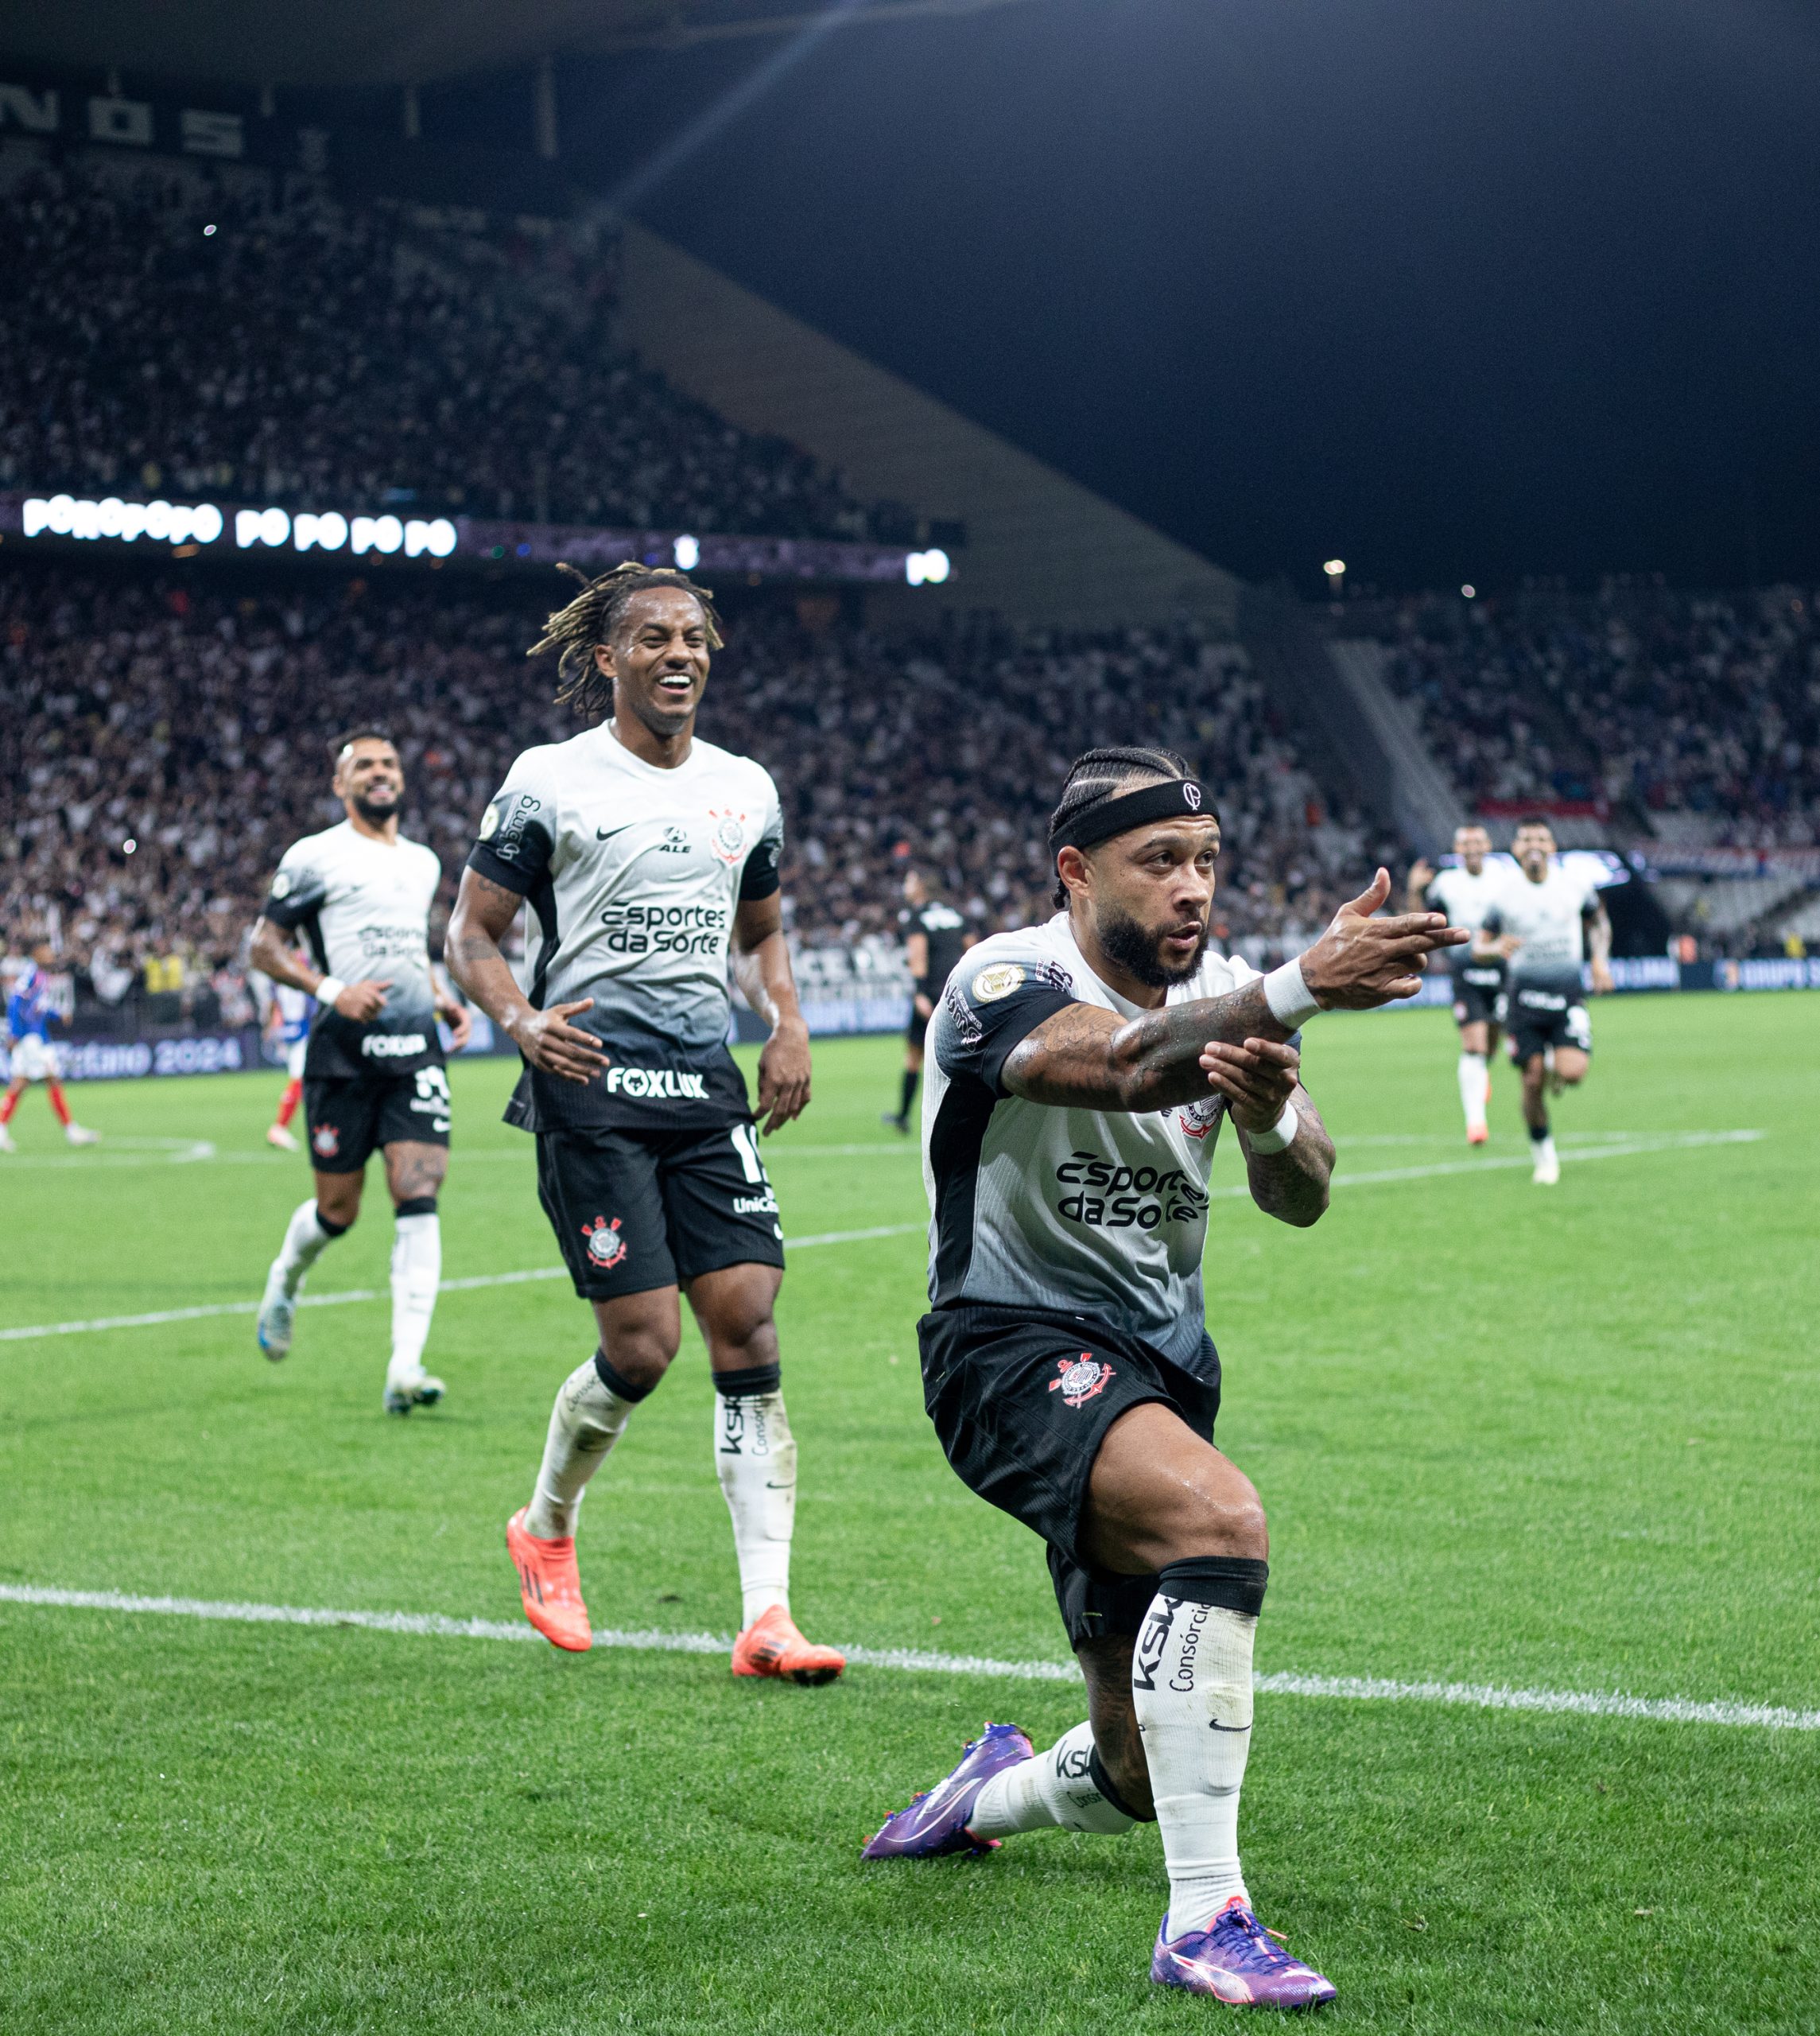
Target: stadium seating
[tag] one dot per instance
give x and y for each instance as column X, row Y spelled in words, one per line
column 327, row 357
column 195, row 723
column 1688, row 717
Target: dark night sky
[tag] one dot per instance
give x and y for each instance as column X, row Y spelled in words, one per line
column 1455, row 290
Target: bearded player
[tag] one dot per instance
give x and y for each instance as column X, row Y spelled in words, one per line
column 1545, row 925
column 1080, row 1073
column 359, row 894
column 1465, row 893
column 643, row 852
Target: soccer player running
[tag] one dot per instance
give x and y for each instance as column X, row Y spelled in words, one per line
column 642, row 851
column 936, row 937
column 360, row 895
column 1545, row 925
column 1465, row 894
column 1081, row 1072
column 29, row 1012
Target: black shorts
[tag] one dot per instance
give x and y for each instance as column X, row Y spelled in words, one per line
column 1539, row 1018
column 349, row 1116
column 1479, row 988
column 1021, row 1403
column 635, row 1210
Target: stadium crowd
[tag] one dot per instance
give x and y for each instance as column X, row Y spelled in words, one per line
column 1694, row 716
column 323, row 356
column 194, row 726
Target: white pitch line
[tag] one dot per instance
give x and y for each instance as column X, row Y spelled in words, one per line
column 435, row 1626
column 1637, row 1145
column 352, row 1294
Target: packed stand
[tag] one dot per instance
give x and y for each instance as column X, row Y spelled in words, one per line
column 168, row 337
column 196, row 726
column 1693, row 716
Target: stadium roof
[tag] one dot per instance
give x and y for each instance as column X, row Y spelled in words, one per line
column 377, row 42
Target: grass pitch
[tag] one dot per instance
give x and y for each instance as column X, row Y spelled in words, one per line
column 1558, row 1440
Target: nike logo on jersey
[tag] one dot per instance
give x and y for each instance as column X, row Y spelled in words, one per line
column 606, row 833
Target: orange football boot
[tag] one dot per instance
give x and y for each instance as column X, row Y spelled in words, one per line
column 1476, row 1134
column 550, row 1585
column 771, row 1646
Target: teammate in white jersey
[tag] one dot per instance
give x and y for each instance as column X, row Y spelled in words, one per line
column 1464, row 893
column 1545, row 925
column 360, row 896
column 644, row 853
column 1079, row 1075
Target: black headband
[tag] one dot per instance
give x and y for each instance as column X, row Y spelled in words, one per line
column 1175, row 798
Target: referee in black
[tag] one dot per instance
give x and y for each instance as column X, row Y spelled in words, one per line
column 935, row 938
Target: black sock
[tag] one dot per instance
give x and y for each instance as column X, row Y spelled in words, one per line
column 910, row 1094
column 1539, row 1131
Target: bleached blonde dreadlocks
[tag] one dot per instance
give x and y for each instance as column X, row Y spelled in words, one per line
column 592, row 617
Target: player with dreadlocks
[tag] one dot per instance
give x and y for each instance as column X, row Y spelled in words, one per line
column 1079, row 1075
column 643, row 851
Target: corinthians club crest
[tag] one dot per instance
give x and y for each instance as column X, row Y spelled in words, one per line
column 606, row 1247
column 1080, row 1379
column 726, row 838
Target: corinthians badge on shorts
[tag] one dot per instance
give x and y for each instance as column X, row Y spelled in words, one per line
column 606, row 1247
column 1080, row 1379
column 325, row 1142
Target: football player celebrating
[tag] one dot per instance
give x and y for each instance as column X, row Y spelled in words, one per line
column 360, row 895
column 643, row 851
column 1080, row 1073
column 29, row 1012
column 1464, row 893
column 1545, row 925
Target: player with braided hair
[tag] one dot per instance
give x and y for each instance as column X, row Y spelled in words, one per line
column 1080, row 1074
column 644, row 854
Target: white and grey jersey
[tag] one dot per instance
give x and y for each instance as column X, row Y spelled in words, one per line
column 1465, row 898
column 634, row 874
column 1082, row 1212
column 1550, row 918
column 364, row 908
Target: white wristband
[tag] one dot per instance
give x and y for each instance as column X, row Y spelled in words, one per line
column 1287, row 995
column 328, row 991
column 1281, row 1135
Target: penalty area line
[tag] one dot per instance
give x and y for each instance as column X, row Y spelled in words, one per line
column 435, row 1626
column 352, row 1294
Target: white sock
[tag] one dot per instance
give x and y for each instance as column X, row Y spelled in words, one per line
column 1054, row 1788
column 755, row 1458
column 587, row 1418
column 305, row 1240
column 417, row 1271
column 1191, row 1684
column 1474, row 1076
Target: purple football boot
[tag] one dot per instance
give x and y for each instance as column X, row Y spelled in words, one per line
column 1236, row 1960
column 937, row 1822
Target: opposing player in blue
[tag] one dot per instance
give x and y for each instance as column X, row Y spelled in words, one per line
column 30, row 1012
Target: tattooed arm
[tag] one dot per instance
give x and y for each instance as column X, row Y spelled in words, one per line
column 1258, row 1079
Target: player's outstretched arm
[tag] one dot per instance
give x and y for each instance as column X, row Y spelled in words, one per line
column 1289, row 1161
column 1085, row 1057
column 761, row 966
column 483, row 911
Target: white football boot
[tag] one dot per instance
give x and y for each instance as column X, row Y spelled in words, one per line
column 78, row 1134
column 1547, row 1164
column 276, row 1135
